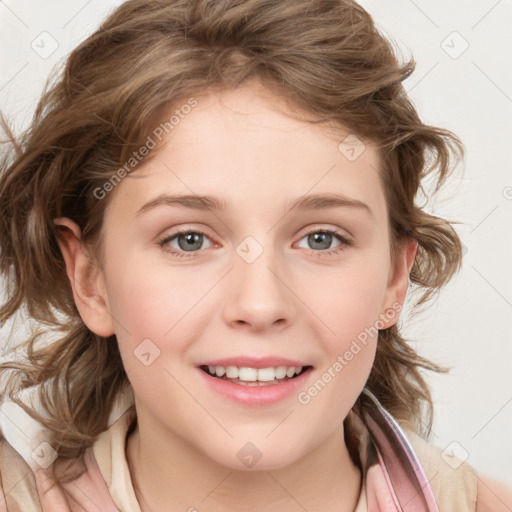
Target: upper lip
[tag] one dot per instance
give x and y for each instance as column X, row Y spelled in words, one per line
column 254, row 362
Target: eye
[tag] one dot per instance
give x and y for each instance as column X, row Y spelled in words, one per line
column 181, row 242
column 187, row 243
column 321, row 241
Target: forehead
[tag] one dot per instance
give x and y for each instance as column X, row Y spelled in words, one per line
column 251, row 114
column 248, row 146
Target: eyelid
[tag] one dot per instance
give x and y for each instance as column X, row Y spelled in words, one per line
column 165, row 238
column 172, row 232
column 346, row 240
column 343, row 233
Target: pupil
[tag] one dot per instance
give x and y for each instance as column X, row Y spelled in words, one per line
column 324, row 239
column 193, row 241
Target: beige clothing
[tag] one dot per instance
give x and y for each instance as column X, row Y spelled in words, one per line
column 453, row 487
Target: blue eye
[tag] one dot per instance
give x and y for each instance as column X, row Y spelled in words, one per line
column 187, row 240
column 323, row 239
column 187, row 243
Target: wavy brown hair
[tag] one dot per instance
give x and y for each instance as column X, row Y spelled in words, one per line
column 325, row 56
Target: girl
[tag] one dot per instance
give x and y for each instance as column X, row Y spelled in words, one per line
column 213, row 214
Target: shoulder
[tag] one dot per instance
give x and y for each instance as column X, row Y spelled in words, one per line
column 493, row 496
column 32, row 480
column 18, row 490
column 453, row 481
column 51, row 487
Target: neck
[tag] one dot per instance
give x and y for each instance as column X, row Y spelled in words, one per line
column 170, row 474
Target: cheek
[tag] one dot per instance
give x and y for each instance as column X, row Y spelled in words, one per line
column 347, row 332
column 350, row 325
column 347, row 307
column 149, row 299
column 155, row 315
column 346, row 302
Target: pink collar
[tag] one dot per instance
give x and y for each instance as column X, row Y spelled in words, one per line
column 394, row 480
column 393, row 476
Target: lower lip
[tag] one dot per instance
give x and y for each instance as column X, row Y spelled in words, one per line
column 256, row 395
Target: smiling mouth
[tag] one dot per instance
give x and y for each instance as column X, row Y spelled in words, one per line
column 255, row 377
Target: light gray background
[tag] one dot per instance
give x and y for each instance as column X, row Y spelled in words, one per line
column 463, row 82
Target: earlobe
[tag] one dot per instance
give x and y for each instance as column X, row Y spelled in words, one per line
column 86, row 279
column 399, row 280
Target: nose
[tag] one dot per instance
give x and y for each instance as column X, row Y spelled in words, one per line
column 259, row 296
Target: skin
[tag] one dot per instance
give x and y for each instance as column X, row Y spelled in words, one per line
column 294, row 301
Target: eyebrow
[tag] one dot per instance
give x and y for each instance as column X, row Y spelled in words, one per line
column 212, row 203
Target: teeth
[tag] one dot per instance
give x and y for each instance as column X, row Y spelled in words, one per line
column 247, row 374
column 266, row 374
column 232, row 372
column 280, row 372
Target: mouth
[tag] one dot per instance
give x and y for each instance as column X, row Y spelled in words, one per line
column 247, row 376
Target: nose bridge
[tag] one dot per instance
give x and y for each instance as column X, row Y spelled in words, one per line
column 258, row 294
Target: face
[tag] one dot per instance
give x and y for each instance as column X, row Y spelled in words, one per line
column 267, row 274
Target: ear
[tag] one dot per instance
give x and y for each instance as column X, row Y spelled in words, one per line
column 398, row 281
column 86, row 278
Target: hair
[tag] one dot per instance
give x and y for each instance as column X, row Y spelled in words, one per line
column 325, row 56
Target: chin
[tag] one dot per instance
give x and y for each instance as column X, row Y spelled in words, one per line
column 252, row 456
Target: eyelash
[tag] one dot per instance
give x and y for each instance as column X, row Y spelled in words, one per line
column 345, row 242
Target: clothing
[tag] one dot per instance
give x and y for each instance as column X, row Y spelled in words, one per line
column 400, row 470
